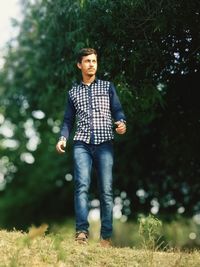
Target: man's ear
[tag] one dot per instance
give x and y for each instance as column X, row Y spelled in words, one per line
column 79, row 65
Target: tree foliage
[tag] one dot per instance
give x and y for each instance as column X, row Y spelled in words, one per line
column 150, row 50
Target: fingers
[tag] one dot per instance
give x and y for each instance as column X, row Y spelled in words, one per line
column 121, row 127
column 60, row 147
column 121, row 130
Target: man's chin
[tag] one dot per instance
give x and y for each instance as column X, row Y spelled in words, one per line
column 91, row 74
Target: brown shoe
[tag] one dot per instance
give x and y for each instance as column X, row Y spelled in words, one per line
column 106, row 243
column 81, row 237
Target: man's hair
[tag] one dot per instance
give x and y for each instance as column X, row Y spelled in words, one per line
column 85, row 52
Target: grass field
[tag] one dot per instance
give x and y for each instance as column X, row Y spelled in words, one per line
column 59, row 249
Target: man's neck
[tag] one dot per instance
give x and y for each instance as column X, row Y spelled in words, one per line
column 88, row 80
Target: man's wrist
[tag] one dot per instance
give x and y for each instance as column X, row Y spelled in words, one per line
column 62, row 138
column 122, row 120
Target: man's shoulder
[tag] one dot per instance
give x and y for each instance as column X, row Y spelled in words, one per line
column 75, row 86
column 104, row 82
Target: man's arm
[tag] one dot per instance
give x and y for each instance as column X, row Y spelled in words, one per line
column 117, row 111
column 68, row 122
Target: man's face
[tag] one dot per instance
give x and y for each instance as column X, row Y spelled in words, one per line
column 88, row 65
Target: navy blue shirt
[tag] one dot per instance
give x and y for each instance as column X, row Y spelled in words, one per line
column 94, row 108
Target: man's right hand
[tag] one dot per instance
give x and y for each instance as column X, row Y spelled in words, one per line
column 60, row 147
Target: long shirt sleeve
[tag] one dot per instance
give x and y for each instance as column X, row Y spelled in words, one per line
column 69, row 118
column 116, row 108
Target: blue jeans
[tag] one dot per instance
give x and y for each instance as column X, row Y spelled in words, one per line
column 101, row 157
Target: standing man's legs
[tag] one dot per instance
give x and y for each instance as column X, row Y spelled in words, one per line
column 82, row 172
column 104, row 164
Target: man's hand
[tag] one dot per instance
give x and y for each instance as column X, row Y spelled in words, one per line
column 60, row 147
column 121, row 127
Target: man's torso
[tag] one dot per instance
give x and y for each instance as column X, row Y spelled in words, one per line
column 93, row 112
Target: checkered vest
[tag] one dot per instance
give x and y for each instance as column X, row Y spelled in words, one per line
column 93, row 112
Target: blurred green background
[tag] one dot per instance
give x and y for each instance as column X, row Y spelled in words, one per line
column 151, row 51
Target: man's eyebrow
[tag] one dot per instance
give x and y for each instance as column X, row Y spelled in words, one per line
column 91, row 59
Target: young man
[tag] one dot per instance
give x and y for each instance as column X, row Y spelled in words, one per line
column 93, row 103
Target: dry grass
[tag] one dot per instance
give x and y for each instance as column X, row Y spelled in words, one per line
column 37, row 249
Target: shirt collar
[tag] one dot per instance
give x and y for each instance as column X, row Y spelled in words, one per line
column 95, row 81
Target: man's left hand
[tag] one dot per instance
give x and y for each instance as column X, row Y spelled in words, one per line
column 121, row 127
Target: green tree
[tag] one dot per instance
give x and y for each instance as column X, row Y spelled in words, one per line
column 150, row 50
